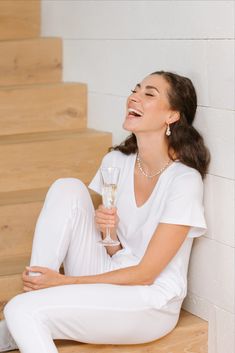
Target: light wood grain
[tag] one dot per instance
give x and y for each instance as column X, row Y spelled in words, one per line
column 37, row 108
column 30, row 61
column 17, row 225
column 189, row 336
column 37, row 163
column 19, row 19
column 33, row 195
column 13, row 265
column 10, row 285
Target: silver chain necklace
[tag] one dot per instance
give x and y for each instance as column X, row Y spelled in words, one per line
column 150, row 176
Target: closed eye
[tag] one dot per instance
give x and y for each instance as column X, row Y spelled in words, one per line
column 149, row 94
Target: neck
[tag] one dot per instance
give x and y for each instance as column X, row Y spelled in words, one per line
column 153, row 151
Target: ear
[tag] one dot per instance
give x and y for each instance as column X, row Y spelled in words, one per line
column 175, row 116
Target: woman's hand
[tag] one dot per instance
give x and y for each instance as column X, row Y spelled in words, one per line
column 47, row 278
column 107, row 218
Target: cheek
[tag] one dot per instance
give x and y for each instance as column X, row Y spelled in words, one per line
column 156, row 110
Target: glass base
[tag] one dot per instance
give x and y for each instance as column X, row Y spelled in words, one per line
column 109, row 242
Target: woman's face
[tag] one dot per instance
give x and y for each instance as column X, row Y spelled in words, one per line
column 148, row 108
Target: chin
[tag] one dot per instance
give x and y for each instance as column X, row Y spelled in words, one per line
column 129, row 126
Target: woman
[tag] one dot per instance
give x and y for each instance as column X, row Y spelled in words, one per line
column 131, row 293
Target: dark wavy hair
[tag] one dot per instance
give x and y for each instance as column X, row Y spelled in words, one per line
column 185, row 140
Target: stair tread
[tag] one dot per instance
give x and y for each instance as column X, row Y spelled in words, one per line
column 17, row 232
column 40, row 85
column 49, row 107
column 28, row 196
column 31, row 161
column 19, row 19
column 49, row 136
column 189, row 335
column 30, row 61
column 13, row 265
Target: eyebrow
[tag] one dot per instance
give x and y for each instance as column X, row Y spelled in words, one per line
column 148, row 87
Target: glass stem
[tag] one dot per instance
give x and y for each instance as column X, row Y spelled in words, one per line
column 107, row 235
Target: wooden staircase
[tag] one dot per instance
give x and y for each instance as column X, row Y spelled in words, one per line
column 44, row 136
column 43, row 133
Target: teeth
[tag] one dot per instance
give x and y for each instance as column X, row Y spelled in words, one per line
column 131, row 110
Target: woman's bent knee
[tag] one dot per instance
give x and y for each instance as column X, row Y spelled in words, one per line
column 68, row 185
column 70, row 189
column 14, row 308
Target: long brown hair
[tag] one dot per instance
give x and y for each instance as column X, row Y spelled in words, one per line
column 185, row 140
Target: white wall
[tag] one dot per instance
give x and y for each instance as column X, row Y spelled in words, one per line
column 111, row 45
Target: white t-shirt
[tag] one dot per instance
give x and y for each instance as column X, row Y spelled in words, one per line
column 177, row 198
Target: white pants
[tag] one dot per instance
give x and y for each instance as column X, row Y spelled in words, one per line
column 94, row 313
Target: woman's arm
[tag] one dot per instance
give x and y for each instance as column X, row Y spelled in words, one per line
column 163, row 246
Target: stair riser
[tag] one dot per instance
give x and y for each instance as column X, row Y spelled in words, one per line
column 37, row 164
column 17, row 225
column 19, row 19
column 9, row 287
column 43, row 108
column 30, row 61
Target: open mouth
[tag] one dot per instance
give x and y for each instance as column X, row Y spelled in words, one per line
column 134, row 113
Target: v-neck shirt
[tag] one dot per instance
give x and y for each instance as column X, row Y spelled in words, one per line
column 177, row 198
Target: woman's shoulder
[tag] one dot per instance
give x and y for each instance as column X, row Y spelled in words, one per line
column 185, row 173
column 116, row 158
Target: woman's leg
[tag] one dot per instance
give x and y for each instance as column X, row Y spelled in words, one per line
column 66, row 233
column 6, row 341
column 92, row 313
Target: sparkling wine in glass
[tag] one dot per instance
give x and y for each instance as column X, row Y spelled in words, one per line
column 110, row 177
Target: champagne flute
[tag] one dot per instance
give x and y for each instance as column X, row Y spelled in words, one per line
column 110, row 177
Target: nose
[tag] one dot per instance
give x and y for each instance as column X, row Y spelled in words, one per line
column 134, row 97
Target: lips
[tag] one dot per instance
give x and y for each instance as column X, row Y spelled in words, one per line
column 134, row 113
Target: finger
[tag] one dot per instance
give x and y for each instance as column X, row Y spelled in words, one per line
column 29, row 278
column 111, row 210
column 36, row 269
column 30, row 282
column 31, row 286
column 27, row 289
column 24, row 273
column 105, row 219
column 104, row 224
column 105, row 216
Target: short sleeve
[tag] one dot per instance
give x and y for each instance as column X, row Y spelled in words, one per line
column 184, row 204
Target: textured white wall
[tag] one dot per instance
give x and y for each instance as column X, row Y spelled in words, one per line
column 111, row 45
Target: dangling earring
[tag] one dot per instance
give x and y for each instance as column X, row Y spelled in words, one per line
column 168, row 130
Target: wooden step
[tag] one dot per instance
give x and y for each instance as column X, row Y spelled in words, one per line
column 19, row 19
column 189, row 336
column 30, row 61
column 16, row 241
column 17, row 223
column 43, row 107
column 10, row 276
column 10, row 286
column 34, row 161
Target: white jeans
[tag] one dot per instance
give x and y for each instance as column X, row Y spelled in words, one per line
column 94, row 313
